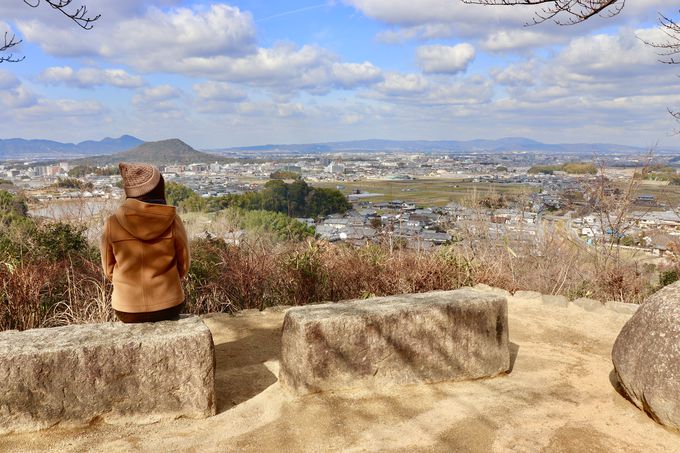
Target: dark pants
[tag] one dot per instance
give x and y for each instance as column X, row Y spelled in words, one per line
column 169, row 314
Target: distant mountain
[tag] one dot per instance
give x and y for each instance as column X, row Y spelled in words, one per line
column 109, row 145
column 164, row 152
column 508, row 144
column 19, row 148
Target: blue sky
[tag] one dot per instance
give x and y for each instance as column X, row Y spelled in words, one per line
column 220, row 74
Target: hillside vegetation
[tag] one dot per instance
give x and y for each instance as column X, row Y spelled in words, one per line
column 50, row 274
column 296, row 199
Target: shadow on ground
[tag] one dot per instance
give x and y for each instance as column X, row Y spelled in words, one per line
column 240, row 372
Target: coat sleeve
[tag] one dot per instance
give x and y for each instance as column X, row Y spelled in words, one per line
column 182, row 248
column 106, row 251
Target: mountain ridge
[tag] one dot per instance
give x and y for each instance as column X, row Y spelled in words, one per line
column 162, row 152
column 506, row 144
column 21, row 148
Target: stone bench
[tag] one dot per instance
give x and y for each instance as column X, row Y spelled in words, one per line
column 118, row 373
column 431, row 337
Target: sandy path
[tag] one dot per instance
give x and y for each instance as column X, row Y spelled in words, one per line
column 558, row 398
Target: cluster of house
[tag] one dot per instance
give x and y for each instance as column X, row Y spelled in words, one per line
column 393, row 220
column 15, row 173
column 652, row 230
column 424, row 227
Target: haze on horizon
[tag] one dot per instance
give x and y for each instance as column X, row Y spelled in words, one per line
column 220, row 74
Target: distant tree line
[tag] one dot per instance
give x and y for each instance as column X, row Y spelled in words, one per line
column 659, row 172
column 84, row 170
column 281, row 226
column 573, row 168
column 295, row 199
column 73, row 183
column 285, row 174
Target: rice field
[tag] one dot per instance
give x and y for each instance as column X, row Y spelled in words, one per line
column 428, row 192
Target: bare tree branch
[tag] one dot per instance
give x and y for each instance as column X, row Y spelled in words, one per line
column 562, row 12
column 671, row 46
column 9, row 42
column 79, row 15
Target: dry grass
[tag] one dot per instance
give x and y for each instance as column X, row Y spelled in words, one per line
column 259, row 272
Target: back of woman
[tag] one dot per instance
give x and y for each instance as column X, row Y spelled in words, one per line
column 144, row 250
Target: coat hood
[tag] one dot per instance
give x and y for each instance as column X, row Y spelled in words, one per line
column 145, row 221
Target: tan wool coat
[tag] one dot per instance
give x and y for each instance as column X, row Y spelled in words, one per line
column 145, row 253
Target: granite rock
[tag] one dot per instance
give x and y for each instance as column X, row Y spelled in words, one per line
column 557, row 301
column 492, row 290
column 431, row 337
column 620, row 307
column 588, row 304
column 114, row 372
column 646, row 356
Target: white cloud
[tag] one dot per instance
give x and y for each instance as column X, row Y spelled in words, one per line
column 445, row 59
column 148, row 43
column 350, row 75
column 518, row 39
column 219, row 91
column 49, row 109
column 523, row 74
column 13, row 94
column 8, row 80
column 19, row 104
column 160, row 99
column 416, row 90
column 396, row 84
column 90, row 77
column 283, row 68
column 272, row 109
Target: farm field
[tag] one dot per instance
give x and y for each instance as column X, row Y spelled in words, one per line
column 428, row 192
column 665, row 194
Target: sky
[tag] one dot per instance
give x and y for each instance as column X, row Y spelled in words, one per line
column 223, row 74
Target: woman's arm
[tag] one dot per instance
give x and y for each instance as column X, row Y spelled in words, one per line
column 182, row 248
column 106, row 251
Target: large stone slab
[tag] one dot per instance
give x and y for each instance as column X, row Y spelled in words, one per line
column 431, row 337
column 646, row 356
column 130, row 373
column 621, row 307
column 588, row 304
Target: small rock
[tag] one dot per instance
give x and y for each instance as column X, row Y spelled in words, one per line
column 588, row 304
column 558, row 301
column 620, row 307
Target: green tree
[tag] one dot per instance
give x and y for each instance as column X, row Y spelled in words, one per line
column 285, row 174
column 60, row 240
column 176, row 193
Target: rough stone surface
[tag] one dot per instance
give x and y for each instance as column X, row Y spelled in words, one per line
column 621, row 307
column 646, row 356
column 588, row 304
column 431, row 337
column 120, row 373
column 492, row 290
column 526, row 295
column 558, row 301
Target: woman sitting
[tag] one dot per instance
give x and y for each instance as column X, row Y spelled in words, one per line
column 144, row 250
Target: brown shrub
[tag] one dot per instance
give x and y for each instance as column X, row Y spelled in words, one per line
column 258, row 273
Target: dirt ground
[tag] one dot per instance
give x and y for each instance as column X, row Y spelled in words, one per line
column 560, row 397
